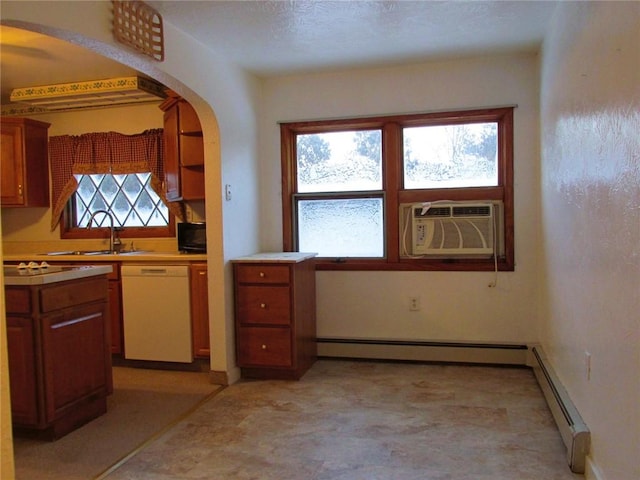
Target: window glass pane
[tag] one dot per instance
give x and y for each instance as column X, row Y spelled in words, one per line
column 451, row 156
column 129, row 198
column 339, row 161
column 341, row 228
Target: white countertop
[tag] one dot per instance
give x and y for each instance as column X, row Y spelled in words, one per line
column 42, row 276
column 135, row 256
column 276, row 257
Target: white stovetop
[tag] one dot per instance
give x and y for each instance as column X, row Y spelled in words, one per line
column 53, row 274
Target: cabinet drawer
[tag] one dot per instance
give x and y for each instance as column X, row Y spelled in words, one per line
column 262, row 274
column 65, row 295
column 262, row 346
column 266, row 305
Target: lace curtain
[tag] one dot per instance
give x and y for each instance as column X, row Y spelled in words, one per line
column 105, row 152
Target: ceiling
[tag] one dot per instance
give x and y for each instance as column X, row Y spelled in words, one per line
column 271, row 38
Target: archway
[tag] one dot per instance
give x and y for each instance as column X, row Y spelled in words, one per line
column 211, row 132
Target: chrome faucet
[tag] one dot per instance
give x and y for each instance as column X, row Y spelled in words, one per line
column 114, row 242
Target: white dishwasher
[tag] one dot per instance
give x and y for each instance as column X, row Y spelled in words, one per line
column 156, row 313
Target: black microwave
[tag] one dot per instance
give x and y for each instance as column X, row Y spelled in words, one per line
column 192, row 237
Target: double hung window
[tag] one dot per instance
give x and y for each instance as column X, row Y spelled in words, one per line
column 352, row 187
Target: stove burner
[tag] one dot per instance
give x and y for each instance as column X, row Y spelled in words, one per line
column 32, row 266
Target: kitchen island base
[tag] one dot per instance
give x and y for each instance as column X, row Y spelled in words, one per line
column 58, row 349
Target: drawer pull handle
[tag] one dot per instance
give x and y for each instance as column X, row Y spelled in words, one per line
column 263, row 305
column 261, row 274
column 264, row 347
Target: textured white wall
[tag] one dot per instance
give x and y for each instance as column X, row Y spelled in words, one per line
column 590, row 106
column 455, row 305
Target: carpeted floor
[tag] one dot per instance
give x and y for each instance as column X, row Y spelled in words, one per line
column 144, row 403
column 365, row 421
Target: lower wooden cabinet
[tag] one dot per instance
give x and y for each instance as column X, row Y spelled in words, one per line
column 275, row 312
column 116, row 336
column 22, row 365
column 199, row 307
column 59, row 355
column 199, row 310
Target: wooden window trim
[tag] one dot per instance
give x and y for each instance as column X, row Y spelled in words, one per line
column 394, row 194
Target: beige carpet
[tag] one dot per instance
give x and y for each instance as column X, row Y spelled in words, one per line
column 144, row 403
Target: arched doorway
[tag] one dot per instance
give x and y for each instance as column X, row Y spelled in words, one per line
column 210, row 122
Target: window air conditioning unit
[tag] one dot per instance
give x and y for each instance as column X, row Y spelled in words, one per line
column 453, row 229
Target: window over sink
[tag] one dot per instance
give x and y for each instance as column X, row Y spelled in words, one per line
column 129, row 198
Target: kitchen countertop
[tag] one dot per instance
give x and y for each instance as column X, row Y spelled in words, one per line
column 135, row 256
column 51, row 274
column 276, row 257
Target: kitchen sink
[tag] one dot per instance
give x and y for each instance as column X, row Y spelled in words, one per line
column 96, row 252
column 81, row 252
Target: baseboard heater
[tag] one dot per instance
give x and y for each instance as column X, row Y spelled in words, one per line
column 425, row 351
column 574, row 432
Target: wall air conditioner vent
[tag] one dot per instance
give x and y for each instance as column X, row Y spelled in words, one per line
column 433, row 212
column 450, row 229
column 472, row 211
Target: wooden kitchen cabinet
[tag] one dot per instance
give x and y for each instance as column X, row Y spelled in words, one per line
column 24, row 164
column 59, row 360
column 115, row 309
column 275, row 312
column 20, row 341
column 184, row 151
column 199, row 310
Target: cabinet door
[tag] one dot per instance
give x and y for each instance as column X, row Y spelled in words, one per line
column 74, row 350
column 12, row 165
column 200, row 310
column 115, row 316
column 171, row 155
column 22, row 370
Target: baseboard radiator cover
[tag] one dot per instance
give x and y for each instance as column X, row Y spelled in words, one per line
column 573, row 430
column 423, row 351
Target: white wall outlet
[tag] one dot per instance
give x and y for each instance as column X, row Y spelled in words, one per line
column 414, row 304
column 587, row 365
column 227, row 192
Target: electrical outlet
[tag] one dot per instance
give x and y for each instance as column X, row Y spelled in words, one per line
column 227, row 192
column 414, row 304
column 587, row 365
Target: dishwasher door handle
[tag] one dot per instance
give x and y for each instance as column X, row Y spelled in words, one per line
column 153, row 271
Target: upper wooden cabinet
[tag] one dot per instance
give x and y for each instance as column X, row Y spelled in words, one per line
column 184, row 151
column 24, row 172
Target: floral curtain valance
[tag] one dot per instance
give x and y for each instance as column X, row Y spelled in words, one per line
column 104, row 152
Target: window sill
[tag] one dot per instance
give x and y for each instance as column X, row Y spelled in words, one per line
column 466, row 265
